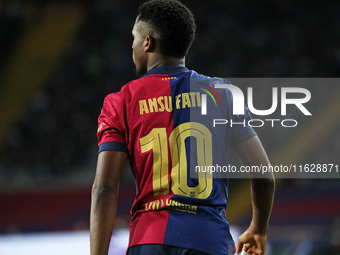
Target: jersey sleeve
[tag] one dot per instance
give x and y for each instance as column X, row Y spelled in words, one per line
column 241, row 131
column 111, row 127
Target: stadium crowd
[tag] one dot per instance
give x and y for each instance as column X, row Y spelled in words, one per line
column 56, row 135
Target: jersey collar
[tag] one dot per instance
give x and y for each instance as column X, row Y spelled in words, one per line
column 167, row 70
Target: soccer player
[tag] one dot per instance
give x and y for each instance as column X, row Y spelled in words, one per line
column 155, row 123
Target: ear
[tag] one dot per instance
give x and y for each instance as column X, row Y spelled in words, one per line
column 149, row 44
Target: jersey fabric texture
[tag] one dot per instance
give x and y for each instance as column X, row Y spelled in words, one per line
column 157, row 120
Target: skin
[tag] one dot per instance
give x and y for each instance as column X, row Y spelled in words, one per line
column 254, row 239
column 110, row 165
column 145, row 50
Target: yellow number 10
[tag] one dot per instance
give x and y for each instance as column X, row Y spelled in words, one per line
column 157, row 141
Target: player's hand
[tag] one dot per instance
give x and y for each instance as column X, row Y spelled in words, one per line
column 252, row 242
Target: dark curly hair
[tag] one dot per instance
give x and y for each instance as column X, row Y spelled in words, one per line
column 173, row 21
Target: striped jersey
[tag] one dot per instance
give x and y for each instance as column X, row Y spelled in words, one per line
column 158, row 120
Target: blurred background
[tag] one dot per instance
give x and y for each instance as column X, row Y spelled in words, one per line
column 59, row 59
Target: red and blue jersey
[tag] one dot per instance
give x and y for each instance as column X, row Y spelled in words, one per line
column 157, row 120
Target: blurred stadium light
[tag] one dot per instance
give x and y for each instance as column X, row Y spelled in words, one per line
column 66, row 243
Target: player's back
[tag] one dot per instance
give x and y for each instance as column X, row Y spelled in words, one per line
column 157, row 120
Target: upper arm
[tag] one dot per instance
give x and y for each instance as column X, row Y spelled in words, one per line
column 110, row 165
column 251, row 152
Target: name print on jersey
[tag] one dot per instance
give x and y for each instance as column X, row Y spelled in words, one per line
column 164, row 103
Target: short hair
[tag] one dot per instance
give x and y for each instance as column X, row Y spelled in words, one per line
column 173, row 21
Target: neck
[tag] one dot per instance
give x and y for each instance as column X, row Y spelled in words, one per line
column 157, row 60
